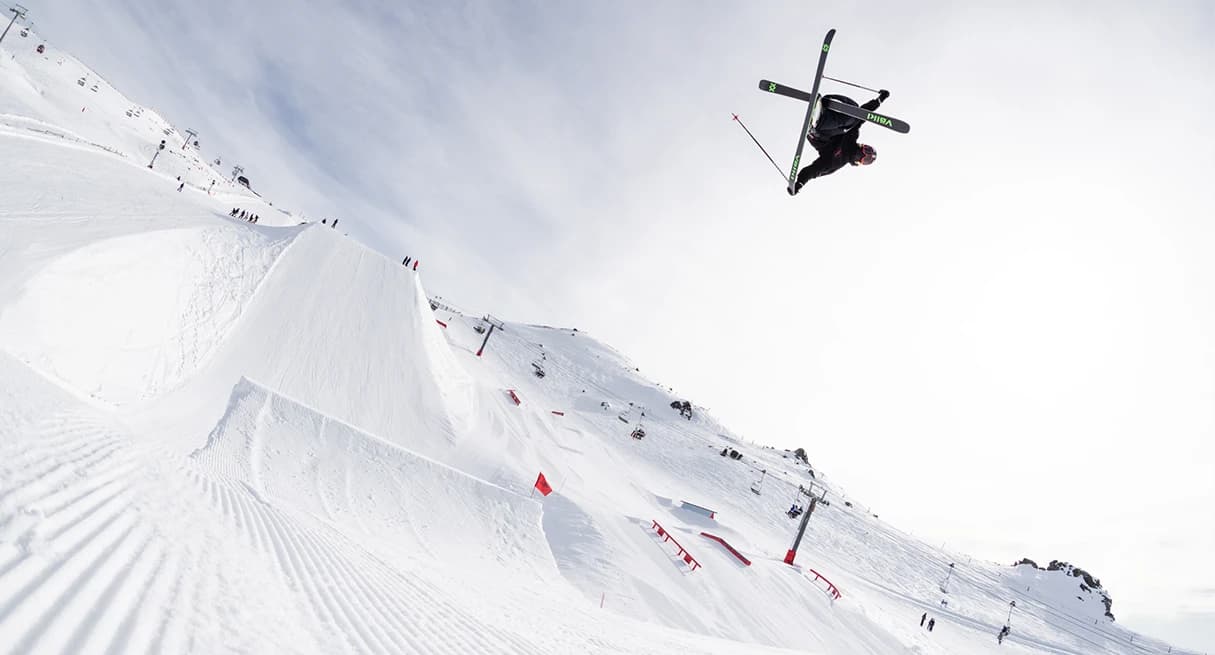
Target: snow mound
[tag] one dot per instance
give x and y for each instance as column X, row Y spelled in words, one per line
column 125, row 318
column 343, row 330
column 1063, row 588
column 290, row 455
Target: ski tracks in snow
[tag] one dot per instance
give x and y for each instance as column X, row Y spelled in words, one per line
column 89, row 565
column 100, row 551
column 110, row 546
column 80, row 576
column 378, row 609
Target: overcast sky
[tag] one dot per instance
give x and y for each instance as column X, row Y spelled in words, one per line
column 998, row 336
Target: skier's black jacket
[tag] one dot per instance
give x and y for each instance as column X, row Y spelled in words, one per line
column 834, row 137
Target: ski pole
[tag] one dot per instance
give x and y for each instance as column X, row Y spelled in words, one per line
column 850, row 84
column 761, row 147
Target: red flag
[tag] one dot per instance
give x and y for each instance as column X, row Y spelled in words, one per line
column 543, row 486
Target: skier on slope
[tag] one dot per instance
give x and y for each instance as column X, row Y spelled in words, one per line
column 834, row 137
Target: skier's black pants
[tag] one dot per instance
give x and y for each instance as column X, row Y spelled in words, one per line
column 831, row 124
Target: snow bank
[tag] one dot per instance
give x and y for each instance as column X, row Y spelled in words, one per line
column 291, row 455
column 125, row 318
column 345, row 331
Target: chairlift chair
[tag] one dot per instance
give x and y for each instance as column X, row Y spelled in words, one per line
column 755, row 488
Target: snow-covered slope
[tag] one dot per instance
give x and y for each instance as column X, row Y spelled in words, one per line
column 55, row 96
column 224, row 437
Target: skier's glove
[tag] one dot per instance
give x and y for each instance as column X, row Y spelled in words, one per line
column 882, row 95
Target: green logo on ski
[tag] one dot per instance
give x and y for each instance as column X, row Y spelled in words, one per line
column 771, row 87
column 880, row 120
column 793, row 173
column 826, row 47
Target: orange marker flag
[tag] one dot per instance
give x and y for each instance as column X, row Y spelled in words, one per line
column 543, row 486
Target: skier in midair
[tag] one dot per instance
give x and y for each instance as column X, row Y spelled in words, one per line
column 834, row 137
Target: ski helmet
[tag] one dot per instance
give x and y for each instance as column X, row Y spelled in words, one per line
column 867, row 155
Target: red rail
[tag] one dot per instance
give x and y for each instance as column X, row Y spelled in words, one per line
column 440, row 322
column 514, row 396
column 683, row 553
column 730, row 548
column 831, row 588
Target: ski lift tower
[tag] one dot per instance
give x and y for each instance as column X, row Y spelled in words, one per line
column 945, row 583
column 494, row 324
column 190, row 134
column 156, row 154
column 801, row 530
column 18, row 12
column 237, row 170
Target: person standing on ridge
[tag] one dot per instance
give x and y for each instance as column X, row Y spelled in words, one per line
column 834, row 137
column 931, row 622
column 923, row 617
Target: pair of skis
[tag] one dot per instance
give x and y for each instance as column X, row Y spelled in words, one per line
column 811, row 99
column 840, row 107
